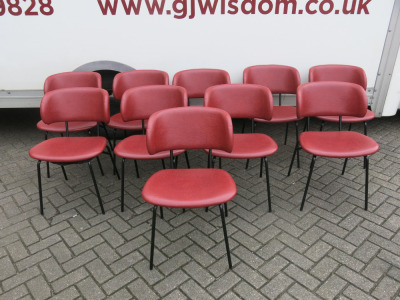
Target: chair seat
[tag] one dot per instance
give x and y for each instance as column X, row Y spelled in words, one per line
column 189, row 188
column 338, row 144
column 135, row 147
column 116, row 122
column 249, row 145
column 281, row 114
column 349, row 119
column 60, row 126
column 69, row 149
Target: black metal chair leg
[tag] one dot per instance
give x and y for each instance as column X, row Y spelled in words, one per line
column 247, row 164
column 63, row 170
column 48, row 169
column 163, row 164
column 115, row 137
column 297, row 142
column 366, row 165
column 308, row 182
column 113, row 161
column 349, row 127
column 187, row 159
column 40, row 188
column 100, row 166
column 268, row 185
column 122, row 184
column 153, row 235
column 344, row 165
column 226, row 209
column 161, row 212
column 296, row 150
column 286, row 132
column 228, row 253
column 96, row 188
column 261, row 167
column 365, row 128
column 137, row 169
column 220, row 162
column 322, row 125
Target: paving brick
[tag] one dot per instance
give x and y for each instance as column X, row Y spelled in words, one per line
column 140, row 289
column 39, row 288
column 119, row 281
column 277, row 286
column 302, row 277
column 90, row 290
column 51, row 269
column 223, row 284
column 7, row 268
column 69, row 280
column 170, row 283
column 331, row 287
column 354, row 278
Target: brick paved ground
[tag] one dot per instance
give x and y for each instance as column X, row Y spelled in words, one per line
column 332, row 250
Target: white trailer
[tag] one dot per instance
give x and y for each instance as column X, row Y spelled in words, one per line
column 42, row 37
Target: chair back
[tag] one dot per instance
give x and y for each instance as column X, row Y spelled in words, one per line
column 344, row 73
column 241, row 100
column 130, row 79
column 331, row 98
column 72, row 79
column 141, row 102
column 278, row 78
column 189, row 128
column 75, row 104
column 196, row 81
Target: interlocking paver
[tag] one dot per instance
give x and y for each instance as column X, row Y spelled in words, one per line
column 331, row 250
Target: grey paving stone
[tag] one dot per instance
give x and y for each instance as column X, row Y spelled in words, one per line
column 331, row 250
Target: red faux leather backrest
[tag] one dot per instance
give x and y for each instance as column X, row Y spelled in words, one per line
column 130, row 79
column 189, row 128
column 279, row 79
column 241, row 100
column 196, row 81
column 331, row 98
column 72, row 79
column 344, row 73
column 75, row 104
column 140, row 102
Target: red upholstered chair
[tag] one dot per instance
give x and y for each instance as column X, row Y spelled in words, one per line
column 130, row 79
column 67, row 80
column 280, row 80
column 334, row 99
column 246, row 101
column 196, row 81
column 138, row 104
column 72, row 105
column 345, row 73
column 189, row 128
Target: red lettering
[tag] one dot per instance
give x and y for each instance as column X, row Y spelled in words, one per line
column 252, row 9
column 29, row 11
column 46, row 8
column 14, row 8
column 261, row 7
column 108, row 7
column 322, row 7
column 179, row 13
column 286, row 6
column 346, row 11
column 155, row 6
column 2, row 8
column 308, row 10
column 363, row 7
column 131, row 6
column 233, row 7
column 207, row 6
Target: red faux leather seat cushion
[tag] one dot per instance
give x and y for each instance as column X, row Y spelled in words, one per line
column 69, row 149
column 135, row 147
column 338, row 144
column 116, row 122
column 60, row 126
column 249, row 145
column 281, row 114
column 349, row 119
column 189, row 188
